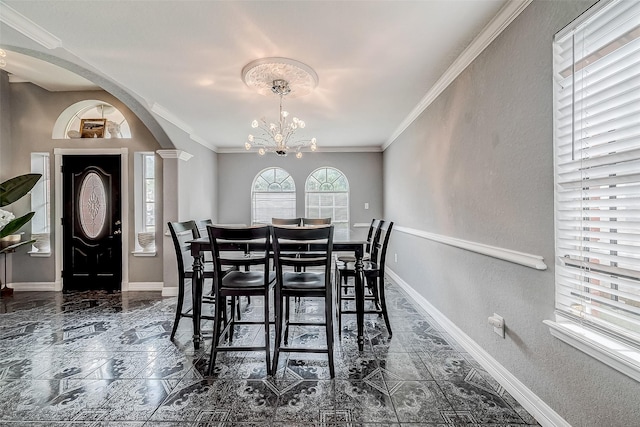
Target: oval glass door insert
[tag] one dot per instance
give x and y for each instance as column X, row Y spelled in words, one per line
column 92, row 205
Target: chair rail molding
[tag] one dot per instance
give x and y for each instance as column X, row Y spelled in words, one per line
column 527, row 260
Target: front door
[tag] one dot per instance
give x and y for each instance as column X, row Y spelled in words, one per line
column 92, row 236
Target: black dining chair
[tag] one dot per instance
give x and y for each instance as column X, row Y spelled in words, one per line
column 316, row 221
column 314, row 283
column 373, row 227
column 286, row 221
column 374, row 270
column 229, row 249
column 180, row 233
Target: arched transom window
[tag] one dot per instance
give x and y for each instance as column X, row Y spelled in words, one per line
column 273, row 195
column 327, row 196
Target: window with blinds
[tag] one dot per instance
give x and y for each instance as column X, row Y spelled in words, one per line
column 273, row 195
column 597, row 170
column 327, row 196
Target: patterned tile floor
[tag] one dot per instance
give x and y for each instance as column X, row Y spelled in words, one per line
column 99, row 359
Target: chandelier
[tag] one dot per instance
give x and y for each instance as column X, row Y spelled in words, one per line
column 282, row 77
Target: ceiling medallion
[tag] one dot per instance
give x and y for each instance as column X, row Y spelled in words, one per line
column 282, row 77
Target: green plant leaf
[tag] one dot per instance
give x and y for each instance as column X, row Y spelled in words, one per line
column 17, row 245
column 15, row 188
column 16, row 224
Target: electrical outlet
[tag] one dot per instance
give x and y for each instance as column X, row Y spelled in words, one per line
column 497, row 322
column 366, row 205
column 395, row 257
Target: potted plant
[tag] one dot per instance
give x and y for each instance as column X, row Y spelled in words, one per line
column 11, row 191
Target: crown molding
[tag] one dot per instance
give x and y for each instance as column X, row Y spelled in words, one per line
column 497, row 25
column 174, row 154
column 323, row 149
column 27, row 27
column 170, row 117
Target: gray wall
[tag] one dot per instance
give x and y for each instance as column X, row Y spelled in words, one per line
column 35, row 111
column 5, row 126
column 363, row 170
column 477, row 165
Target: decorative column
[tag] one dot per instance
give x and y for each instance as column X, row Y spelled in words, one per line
column 170, row 212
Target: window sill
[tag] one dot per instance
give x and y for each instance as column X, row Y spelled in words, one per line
column 620, row 356
column 140, row 253
column 39, row 254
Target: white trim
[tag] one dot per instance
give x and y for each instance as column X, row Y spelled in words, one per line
column 542, row 412
column 528, row 260
column 612, row 353
column 143, row 254
column 203, row 142
column 174, row 154
column 505, row 16
column 33, row 286
column 146, row 286
column 170, row 291
column 322, row 149
column 170, row 117
column 361, row 224
column 27, row 27
column 124, row 202
column 39, row 254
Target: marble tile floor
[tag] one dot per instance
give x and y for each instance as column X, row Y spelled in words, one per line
column 100, row 359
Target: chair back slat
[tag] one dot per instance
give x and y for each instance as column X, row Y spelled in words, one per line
column 180, row 233
column 316, row 221
column 302, row 237
column 286, row 221
column 230, row 246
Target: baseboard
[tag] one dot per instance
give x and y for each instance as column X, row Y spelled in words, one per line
column 170, row 292
column 542, row 412
column 145, row 286
column 33, row 286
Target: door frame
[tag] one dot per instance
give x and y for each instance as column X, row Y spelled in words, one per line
column 59, row 205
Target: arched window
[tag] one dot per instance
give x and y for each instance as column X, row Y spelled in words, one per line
column 69, row 123
column 327, row 196
column 273, row 195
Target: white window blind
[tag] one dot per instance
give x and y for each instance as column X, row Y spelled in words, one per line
column 597, row 170
column 327, row 196
column 273, row 195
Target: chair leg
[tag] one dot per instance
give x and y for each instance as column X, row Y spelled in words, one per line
column 178, row 308
column 339, row 305
column 287, row 308
column 216, row 332
column 383, row 303
column 276, row 345
column 267, row 349
column 328, row 313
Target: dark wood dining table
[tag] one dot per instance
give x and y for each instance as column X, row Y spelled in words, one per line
column 200, row 246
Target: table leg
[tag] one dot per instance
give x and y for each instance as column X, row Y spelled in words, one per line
column 359, row 291
column 196, row 298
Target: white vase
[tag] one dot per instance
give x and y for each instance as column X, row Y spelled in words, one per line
column 147, row 241
column 42, row 242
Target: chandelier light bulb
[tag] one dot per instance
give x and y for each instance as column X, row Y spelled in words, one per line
column 279, row 137
column 2, row 53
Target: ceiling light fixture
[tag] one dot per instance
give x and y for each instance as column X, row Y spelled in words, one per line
column 283, row 77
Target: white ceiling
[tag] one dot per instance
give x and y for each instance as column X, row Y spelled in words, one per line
column 376, row 60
